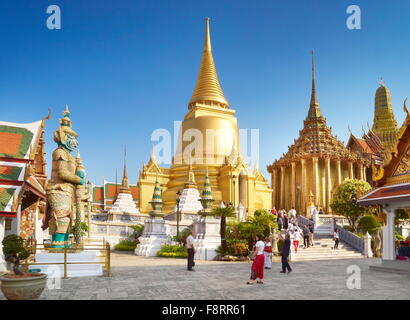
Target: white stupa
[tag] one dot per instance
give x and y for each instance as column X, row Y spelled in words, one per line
column 124, row 203
column 189, row 203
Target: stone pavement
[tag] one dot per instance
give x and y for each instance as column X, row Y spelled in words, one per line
column 164, row 278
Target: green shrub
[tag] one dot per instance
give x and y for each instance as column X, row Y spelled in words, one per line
column 172, row 251
column 398, row 236
column 126, row 245
column 368, row 224
column 14, row 251
column 239, row 249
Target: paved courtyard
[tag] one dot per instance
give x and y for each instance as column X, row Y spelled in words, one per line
column 163, row 278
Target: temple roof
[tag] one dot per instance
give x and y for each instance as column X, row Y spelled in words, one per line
column 316, row 138
column 20, row 154
column 207, row 89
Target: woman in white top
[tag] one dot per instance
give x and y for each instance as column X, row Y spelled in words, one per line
column 258, row 261
column 296, row 238
column 336, row 238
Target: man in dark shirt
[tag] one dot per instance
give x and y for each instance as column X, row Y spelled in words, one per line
column 285, row 255
column 306, row 236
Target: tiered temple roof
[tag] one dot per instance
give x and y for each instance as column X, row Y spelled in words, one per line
column 22, row 164
column 316, row 138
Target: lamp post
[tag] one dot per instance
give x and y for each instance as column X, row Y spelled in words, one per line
column 234, row 181
column 178, row 199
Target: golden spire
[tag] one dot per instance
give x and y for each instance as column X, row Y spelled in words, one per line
column 314, row 110
column 125, row 187
column 207, row 89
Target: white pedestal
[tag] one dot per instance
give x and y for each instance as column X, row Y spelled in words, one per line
column 207, row 242
column 73, row 270
column 153, row 238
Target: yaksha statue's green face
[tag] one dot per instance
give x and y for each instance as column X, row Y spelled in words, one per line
column 70, row 142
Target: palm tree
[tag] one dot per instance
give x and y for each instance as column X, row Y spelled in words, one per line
column 224, row 213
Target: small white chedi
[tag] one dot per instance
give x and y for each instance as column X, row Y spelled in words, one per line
column 154, row 235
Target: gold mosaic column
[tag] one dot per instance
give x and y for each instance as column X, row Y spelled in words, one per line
column 315, row 176
column 303, row 185
column 282, row 187
column 293, row 185
column 351, row 173
column 361, row 177
column 328, row 184
column 338, row 172
column 275, row 186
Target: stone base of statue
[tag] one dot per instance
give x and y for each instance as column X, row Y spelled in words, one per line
column 73, row 270
column 208, row 238
column 153, row 238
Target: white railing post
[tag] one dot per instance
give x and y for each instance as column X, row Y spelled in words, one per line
column 368, row 246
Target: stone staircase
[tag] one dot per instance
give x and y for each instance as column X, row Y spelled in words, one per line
column 323, row 250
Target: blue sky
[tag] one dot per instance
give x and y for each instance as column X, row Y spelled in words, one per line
column 126, row 68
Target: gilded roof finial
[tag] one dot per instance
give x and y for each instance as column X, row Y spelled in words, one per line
column 207, row 89
column 405, row 108
column 125, row 187
column 314, row 110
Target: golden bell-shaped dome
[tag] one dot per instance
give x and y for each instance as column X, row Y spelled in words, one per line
column 207, row 89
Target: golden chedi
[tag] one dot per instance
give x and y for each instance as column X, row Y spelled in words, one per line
column 384, row 123
column 213, row 126
column 314, row 165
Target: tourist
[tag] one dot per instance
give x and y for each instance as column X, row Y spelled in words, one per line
column 285, row 255
column 403, row 253
column 280, row 221
column 273, row 211
column 296, row 238
column 321, row 211
column 336, row 239
column 311, row 232
column 258, row 258
column 191, row 250
column 292, row 213
column 285, row 222
column 268, row 253
column 306, row 232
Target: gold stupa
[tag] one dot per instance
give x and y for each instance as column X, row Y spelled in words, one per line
column 210, row 120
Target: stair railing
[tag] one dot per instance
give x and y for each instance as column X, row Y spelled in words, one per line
column 350, row 238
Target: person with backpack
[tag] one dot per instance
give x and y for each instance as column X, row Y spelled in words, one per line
column 312, row 231
column 268, row 253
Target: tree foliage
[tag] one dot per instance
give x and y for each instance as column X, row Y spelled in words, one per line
column 228, row 212
column 344, row 201
column 14, row 251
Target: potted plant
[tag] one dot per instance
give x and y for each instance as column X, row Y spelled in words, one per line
column 18, row 285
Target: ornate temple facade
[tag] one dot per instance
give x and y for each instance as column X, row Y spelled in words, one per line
column 378, row 142
column 22, row 179
column 209, row 118
column 315, row 164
